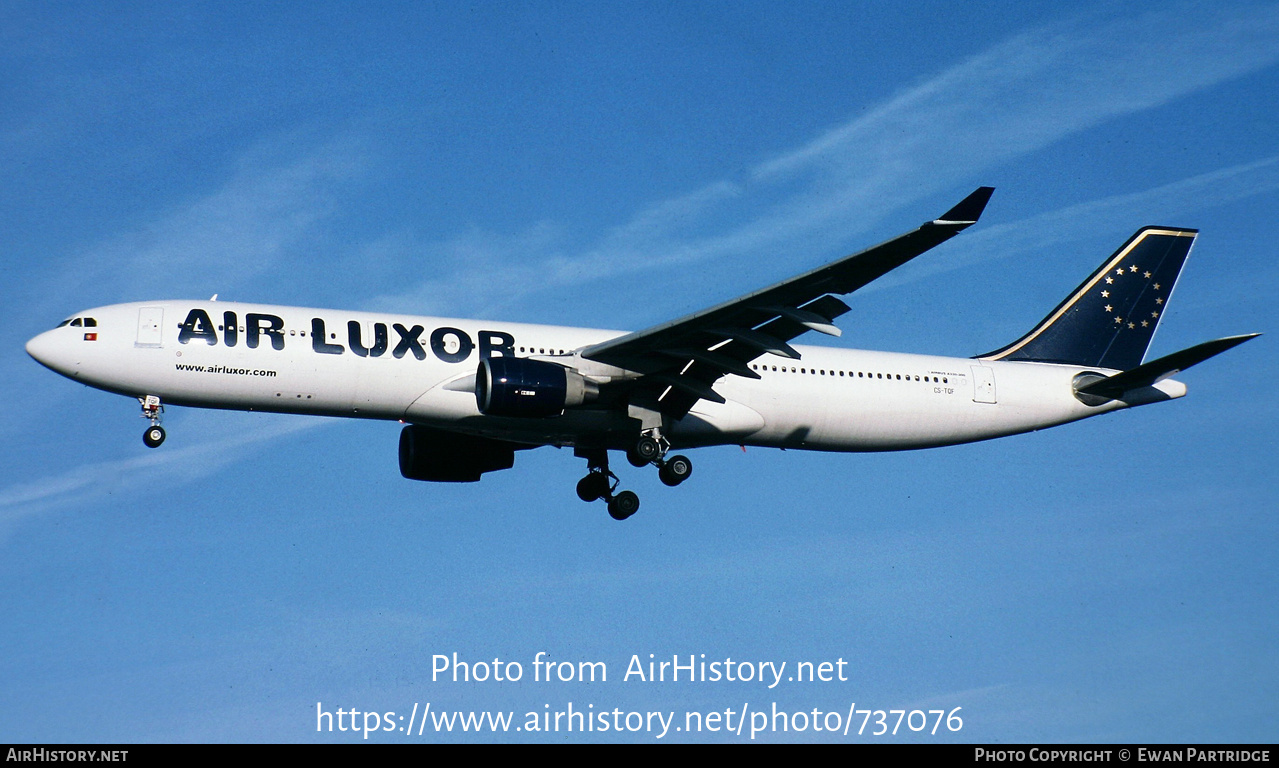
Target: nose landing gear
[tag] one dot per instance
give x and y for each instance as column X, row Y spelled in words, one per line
column 152, row 409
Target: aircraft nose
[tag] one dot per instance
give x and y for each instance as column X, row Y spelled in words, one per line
column 50, row 349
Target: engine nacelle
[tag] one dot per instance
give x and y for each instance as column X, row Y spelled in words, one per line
column 518, row 386
column 448, row 457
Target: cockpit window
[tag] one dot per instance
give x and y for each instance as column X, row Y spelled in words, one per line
column 65, row 322
column 90, row 322
column 76, row 323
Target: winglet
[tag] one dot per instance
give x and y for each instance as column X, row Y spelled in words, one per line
column 968, row 210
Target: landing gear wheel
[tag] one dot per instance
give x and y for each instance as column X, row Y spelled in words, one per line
column 675, row 471
column 593, row 486
column 646, row 450
column 152, row 409
column 623, row 505
column 153, row 436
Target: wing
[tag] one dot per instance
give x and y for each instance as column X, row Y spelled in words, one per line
column 681, row 360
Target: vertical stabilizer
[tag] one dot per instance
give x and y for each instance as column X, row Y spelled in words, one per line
column 1109, row 320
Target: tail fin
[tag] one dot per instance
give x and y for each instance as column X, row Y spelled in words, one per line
column 1108, row 321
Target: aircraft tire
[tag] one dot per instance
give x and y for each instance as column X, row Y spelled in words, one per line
column 153, row 436
column 645, row 451
column 592, row 487
column 676, row 470
column 623, row 505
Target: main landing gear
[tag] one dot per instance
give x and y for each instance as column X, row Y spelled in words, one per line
column 152, row 409
column 651, row 448
column 601, row 483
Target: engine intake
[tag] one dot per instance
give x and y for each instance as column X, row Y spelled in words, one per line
column 518, row 386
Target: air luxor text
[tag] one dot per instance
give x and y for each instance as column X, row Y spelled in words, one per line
column 687, row 668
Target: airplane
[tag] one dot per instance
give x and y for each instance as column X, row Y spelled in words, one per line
column 473, row 393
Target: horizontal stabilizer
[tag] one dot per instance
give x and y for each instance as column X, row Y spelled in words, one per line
column 1155, row 371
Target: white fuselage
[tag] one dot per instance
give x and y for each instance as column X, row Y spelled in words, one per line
column 421, row 370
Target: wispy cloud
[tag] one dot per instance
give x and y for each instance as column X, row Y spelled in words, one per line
column 1017, row 97
column 274, row 201
column 242, row 229
column 1160, row 205
column 1026, row 93
column 493, row 273
column 86, row 483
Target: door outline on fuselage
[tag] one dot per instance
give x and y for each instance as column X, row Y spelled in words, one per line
column 983, row 384
column 150, row 327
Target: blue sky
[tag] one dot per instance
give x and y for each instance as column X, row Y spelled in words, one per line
column 613, row 165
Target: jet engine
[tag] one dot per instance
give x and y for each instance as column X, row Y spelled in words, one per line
column 449, row 457
column 518, row 386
